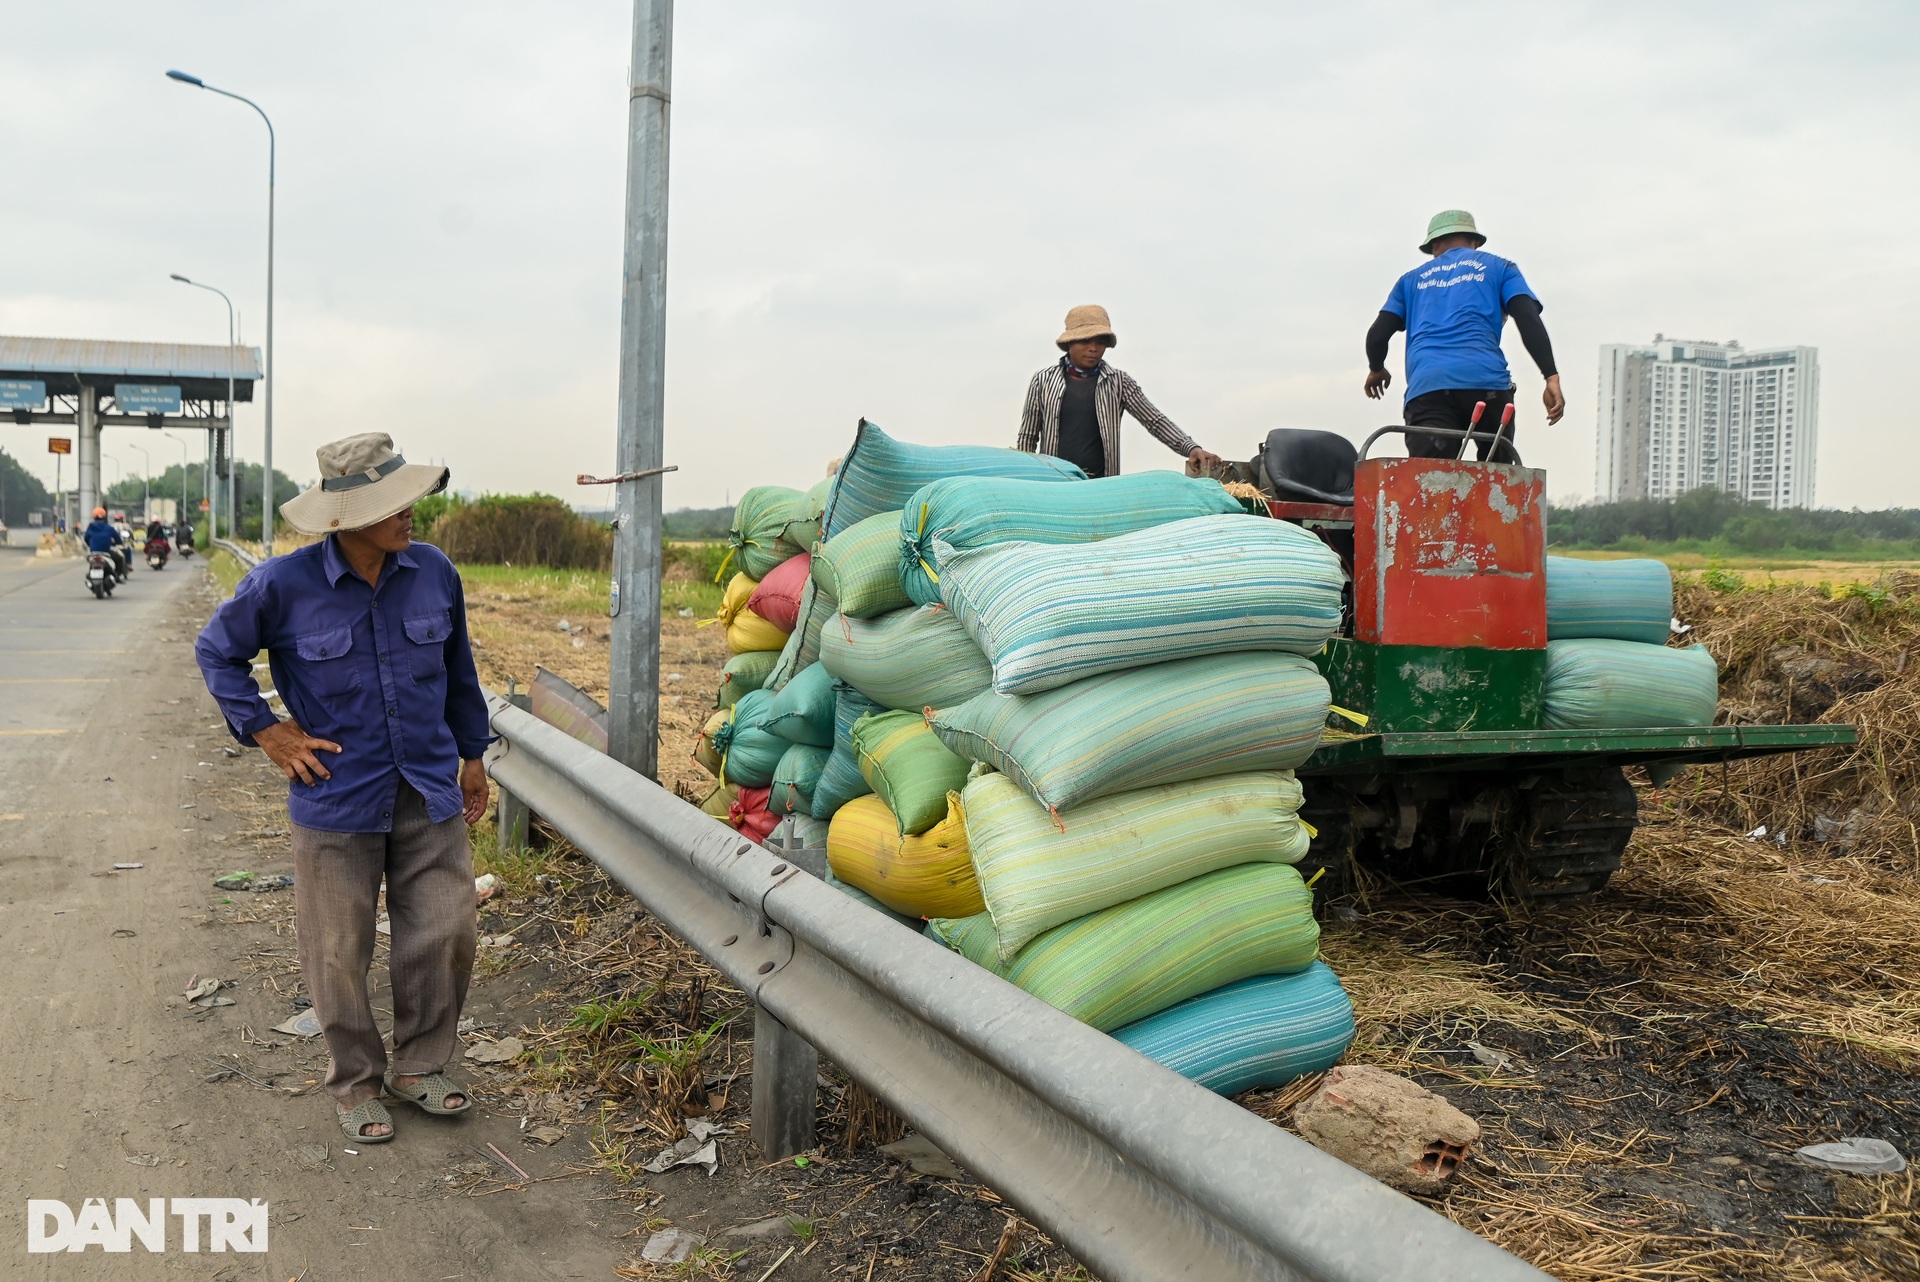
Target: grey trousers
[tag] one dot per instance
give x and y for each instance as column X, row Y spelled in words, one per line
column 336, row 885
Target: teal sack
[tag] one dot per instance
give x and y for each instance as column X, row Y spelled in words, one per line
column 1046, row 616
column 879, row 474
column 1189, row 719
column 1135, row 959
column 794, row 779
column 1618, row 685
column 803, row 711
column 1629, row 600
column 910, row 659
column 974, row 511
column 803, row 643
column 748, row 754
column 841, row 780
column 1265, row 1031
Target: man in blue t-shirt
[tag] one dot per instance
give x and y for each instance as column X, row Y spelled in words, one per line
column 1453, row 310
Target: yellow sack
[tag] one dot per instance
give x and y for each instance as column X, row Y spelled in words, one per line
column 930, row 875
column 746, row 631
column 705, row 754
column 719, row 802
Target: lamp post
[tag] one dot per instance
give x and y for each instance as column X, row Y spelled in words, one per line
column 266, row 465
column 181, row 514
column 232, row 436
column 146, row 478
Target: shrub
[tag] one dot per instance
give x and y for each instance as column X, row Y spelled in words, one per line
column 520, row 529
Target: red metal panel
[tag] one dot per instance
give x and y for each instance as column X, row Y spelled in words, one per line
column 1449, row 553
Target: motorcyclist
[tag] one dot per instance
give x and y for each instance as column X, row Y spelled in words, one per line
column 183, row 538
column 157, row 544
column 102, row 536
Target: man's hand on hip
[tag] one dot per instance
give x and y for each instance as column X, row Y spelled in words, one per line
column 473, row 791
column 1554, row 399
column 292, row 749
column 1378, row 380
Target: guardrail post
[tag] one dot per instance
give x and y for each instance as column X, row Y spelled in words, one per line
column 786, row 1082
column 514, row 819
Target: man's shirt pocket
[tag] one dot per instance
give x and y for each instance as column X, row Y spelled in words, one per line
column 428, row 635
column 326, row 662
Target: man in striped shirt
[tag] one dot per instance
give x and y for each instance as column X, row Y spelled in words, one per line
column 1073, row 408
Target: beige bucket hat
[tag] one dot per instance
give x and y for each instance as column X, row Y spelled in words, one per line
column 1084, row 322
column 362, row 482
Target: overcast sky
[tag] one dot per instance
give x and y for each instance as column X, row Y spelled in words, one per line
column 885, row 209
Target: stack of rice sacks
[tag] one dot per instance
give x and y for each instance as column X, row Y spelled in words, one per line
column 1066, row 718
column 1608, row 664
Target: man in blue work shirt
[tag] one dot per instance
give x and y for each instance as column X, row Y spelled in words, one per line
column 366, row 634
column 101, row 536
column 1453, row 310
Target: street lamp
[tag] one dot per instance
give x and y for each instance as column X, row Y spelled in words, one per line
column 266, row 467
column 181, row 515
column 232, row 435
column 146, row 470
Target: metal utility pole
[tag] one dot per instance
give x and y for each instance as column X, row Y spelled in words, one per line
column 207, row 484
column 633, row 714
column 266, row 466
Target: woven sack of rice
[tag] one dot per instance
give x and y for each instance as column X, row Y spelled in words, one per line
column 746, row 631
column 803, row 646
column 1039, row 869
column 771, row 524
column 1630, row 600
column 1261, row 710
column 974, row 511
column 749, row 814
column 794, row 779
column 879, row 474
column 1135, row 959
column 911, row 659
column 802, row 712
column 860, row 566
column 1264, row 1031
column 930, row 875
column 841, row 780
column 743, row 752
column 1617, row 685
column 744, row 672
column 855, row 893
column 1049, row 615
column 907, row 767
column 777, row 597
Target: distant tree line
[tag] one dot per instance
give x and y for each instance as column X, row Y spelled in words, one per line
column 20, row 492
column 513, row 529
column 1710, row 520
column 698, row 523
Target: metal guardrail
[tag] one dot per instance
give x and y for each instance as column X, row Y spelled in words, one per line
column 238, row 553
column 1144, row 1175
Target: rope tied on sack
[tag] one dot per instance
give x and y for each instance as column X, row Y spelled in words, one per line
column 723, row 740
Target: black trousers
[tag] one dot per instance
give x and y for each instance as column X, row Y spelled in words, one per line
column 1453, row 408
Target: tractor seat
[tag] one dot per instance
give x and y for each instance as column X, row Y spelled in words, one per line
column 1304, row 464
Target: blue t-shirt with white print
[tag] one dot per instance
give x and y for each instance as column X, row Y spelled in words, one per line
column 1454, row 308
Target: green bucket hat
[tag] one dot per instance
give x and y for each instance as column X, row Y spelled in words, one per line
column 1446, row 223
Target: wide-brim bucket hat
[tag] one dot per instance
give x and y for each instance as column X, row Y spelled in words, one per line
column 1085, row 322
column 363, row 481
column 1448, row 222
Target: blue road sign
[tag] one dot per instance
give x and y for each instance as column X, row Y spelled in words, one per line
column 22, row 393
column 146, row 398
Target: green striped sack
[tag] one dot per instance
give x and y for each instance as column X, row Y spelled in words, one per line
column 748, row 754
column 974, row 511
column 803, row 643
column 1188, row 719
column 841, row 780
column 1264, row 1031
column 1040, row 869
column 879, row 474
column 1135, row 959
column 1630, row 600
column 1046, row 616
column 912, row 659
column 861, row 567
column 802, row 712
column 768, row 523
column 744, row 672
column 911, row 770
column 1614, row 685
column 794, row 779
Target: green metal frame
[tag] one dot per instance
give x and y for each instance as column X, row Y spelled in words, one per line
column 1560, row 749
column 1436, row 688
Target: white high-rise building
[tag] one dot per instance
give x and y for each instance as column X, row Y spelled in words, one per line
column 1678, row 415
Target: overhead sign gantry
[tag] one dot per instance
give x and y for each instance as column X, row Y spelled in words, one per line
column 88, row 384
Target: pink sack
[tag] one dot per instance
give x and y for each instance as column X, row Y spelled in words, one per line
column 749, row 814
column 777, row 599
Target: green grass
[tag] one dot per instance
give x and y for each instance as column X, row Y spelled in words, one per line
column 227, row 570
column 580, row 592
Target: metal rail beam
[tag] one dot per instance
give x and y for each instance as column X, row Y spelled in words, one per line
column 1143, row 1174
column 238, row 553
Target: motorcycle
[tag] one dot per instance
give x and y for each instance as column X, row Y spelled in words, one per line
column 157, row 553
column 102, row 574
column 186, row 543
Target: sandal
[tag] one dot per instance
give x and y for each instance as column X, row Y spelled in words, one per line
column 366, row 1113
column 430, row 1094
